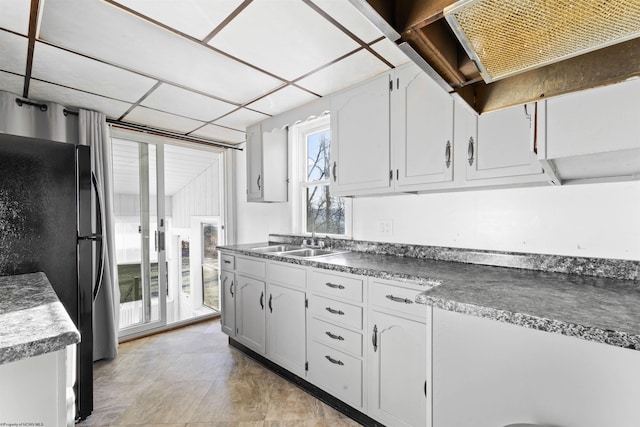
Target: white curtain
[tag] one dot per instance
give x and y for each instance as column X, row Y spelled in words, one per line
column 95, row 133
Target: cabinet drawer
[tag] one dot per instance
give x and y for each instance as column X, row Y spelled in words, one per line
column 334, row 336
column 287, row 274
column 336, row 312
column 228, row 262
column 347, row 287
column 336, row 372
column 252, row 267
column 396, row 298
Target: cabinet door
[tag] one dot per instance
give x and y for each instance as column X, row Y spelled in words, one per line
column 424, row 129
column 398, row 358
column 274, row 165
column 250, row 316
column 255, row 181
column 360, row 139
column 286, row 328
column 229, row 289
column 503, row 145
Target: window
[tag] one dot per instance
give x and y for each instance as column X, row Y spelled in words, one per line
column 320, row 212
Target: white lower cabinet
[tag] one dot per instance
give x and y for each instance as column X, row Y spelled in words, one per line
column 286, row 332
column 250, row 314
column 397, row 354
column 227, row 291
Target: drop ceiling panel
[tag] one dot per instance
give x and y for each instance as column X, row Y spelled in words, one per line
column 282, row 100
column 349, row 17
column 108, row 33
column 240, row 119
column 11, row 83
column 355, row 68
column 75, row 99
column 180, row 101
column 13, row 53
column 221, row 134
column 196, row 18
column 162, row 120
column 286, row 38
column 68, row 69
column 15, row 15
column 391, row 52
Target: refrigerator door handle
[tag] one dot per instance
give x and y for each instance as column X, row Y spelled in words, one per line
column 99, row 239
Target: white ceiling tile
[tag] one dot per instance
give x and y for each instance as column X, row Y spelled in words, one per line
column 347, row 15
column 66, row 68
column 75, row 99
column 284, row 37
column 179, row 101
column 218, row 133
column 240, row 119
column 108, row 33
column 11, row 83
column 13, row 52
column 15, row 15
column 161, row 120
column 391, row 52
column 282, row 100
column 351, row 70
column 196, row 18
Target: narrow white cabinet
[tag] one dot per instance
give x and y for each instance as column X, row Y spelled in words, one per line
column 487, row 373
column 397, row 354
column 286, row 316
column 250, row 303
column 501, row 144
column 360, row 139
column 424, row 128
column 228, row 290
column 266, row 164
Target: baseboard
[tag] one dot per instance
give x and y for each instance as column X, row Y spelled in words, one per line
column 313, row 390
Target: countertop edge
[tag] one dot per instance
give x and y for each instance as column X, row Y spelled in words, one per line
column 588, row 333
column 38, row 347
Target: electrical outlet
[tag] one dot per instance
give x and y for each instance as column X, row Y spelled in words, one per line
column 384, row 226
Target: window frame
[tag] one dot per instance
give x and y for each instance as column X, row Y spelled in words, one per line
column 300, row 132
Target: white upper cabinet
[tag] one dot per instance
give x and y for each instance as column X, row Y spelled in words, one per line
column 266, row 164
column 423, row 145
column 594, row 133
column 503, row 144
column 360, row 139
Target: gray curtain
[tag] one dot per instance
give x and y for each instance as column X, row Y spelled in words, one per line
column 93, row 131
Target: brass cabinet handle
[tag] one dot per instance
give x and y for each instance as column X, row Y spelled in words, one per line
column 334, row 361
column 333, row 311
column 335, row 337
column 447, row 154
column 398, row 299
column 470, row 152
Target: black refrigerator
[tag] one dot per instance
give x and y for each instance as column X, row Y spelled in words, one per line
column 48, row 224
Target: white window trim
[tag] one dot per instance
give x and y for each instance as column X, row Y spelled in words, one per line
column 298, row 136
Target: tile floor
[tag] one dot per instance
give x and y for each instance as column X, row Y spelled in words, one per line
column 191, row 377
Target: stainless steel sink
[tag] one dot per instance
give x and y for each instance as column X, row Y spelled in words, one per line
column 312, row 253
column 276, row 248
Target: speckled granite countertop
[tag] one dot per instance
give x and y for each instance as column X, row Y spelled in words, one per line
column 32, row 319
column 600, row 309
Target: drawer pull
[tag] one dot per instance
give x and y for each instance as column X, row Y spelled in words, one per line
column 398, row 299
column 335, row 337
column 334, row 286
column 226, row 261
column 332, row 311
column 334, row 361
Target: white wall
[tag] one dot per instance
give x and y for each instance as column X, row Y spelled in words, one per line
column 588, row 220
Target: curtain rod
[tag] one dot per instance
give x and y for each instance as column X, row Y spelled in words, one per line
column 160, row 132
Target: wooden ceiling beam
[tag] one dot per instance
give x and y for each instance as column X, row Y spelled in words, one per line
column 610, row 65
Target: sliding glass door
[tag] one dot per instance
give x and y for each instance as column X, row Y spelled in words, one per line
column 168, row 204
